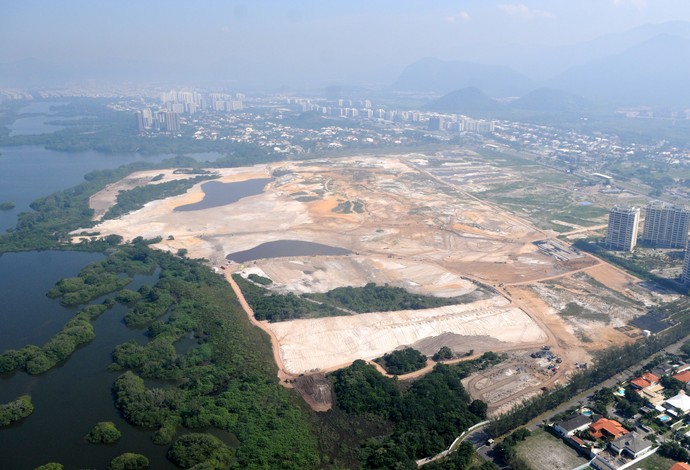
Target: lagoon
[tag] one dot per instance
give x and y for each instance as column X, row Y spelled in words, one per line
column 73, row 397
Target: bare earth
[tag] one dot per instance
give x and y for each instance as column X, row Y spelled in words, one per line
column 327, row 343
column 404, row 227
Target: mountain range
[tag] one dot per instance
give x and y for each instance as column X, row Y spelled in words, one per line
column 648, row 66
column 541, row 102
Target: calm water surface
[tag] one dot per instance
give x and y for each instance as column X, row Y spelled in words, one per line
column 30, row 172
column 26, row 314
column 285, row 248
column 70, row 399
column 218, row 194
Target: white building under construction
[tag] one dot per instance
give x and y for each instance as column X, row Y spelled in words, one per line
column 622, row 229
column 665, row 226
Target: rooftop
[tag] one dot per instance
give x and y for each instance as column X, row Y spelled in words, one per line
column 607, row 427
column 680, row 402
column 683, row 376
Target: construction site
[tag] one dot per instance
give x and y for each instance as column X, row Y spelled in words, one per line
column 405, row 221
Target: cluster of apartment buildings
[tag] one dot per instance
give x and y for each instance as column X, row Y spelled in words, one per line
column 665, row 226
column 364, row 109
column 177, row 103
column 191, row 102
column 162, row 120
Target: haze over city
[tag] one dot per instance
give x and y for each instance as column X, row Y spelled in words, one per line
column 272, row 44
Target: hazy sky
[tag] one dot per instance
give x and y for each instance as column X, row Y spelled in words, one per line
column 335, row 35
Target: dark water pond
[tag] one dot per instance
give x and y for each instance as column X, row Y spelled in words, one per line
column 285, row 248
column 70, row 399
column 218, row 194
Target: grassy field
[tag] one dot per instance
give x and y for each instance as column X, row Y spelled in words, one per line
column 654, row 462
column 541, row 194
column 542, row 451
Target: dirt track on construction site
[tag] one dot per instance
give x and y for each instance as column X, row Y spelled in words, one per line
column 404, row 227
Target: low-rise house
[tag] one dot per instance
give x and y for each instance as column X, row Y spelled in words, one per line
column 680, row 466
column 652, row 394
column 645, row 381
column 571, row 424
column 683, row 377
column 622, row 453
column 607, row 429
column 632, row 445
column 678, row 405
column 664, row 369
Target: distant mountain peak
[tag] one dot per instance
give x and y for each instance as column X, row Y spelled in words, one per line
column 469, row 101
column 550, row 100
column 436, row 75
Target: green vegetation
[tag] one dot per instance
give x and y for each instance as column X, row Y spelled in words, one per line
column 93, row 281
column 153, row 302
column 573, row 309
column 226, row 382
column 264, row 281
column 129, row 461
column 655, row 462
column 50, row 466
column 340, row 301
column 444, row 354
column 402, row 361
column 348, row 207
column 104, row 433
column 7, row 205
column 278, row 307
column 373, row 298
column 195, row 449
column 628, row 264
column 76, row 332
column 109, row 131
column 54, row 216
column 506, row 449
column 608, row 362
column 15, row 410
column 674, row 451
column 361, row 389
column 463, row 458
column 133, row 199
column 426, row 417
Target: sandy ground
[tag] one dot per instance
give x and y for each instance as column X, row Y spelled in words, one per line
column 403, row 226
column 324, row 343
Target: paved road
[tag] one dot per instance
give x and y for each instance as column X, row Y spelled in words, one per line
column 621, row 376
column 479, row 437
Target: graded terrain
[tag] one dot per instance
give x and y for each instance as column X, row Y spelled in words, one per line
column 400, row 220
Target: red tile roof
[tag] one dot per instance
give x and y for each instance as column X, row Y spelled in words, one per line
column 640, row 382
column 607, row 428
column 680, row 466
column 649, row 377
column 683, row 376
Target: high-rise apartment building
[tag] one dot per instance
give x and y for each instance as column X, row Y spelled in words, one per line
column 622, row 229
column 665, row 226
column 685, row 278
